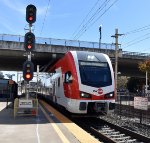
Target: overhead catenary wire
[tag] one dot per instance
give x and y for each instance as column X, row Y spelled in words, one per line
column 137, row 42
column 90, row 22
column 96, row 19
column 138, row 39
column 138, row 29
column 45, row 17
column 84, row 26
column 86, row 16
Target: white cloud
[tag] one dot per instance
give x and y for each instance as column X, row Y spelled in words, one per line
column 41, row 10
column 20, row 7
column 15, row 5
column 4, row 23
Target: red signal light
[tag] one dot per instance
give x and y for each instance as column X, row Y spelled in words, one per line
column 30, row 18
column 28, row 76
column 29, row 46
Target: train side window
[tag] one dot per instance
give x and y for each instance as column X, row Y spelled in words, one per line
column 68, row 77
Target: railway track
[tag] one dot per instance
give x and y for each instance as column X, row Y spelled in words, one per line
column 114, row 136
column 108, row 132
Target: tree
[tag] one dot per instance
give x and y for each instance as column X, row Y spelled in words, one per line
column 1, row 75
column 145, row 66
column 122, row 82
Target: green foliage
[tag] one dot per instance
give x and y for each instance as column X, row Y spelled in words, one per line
column 145, row 66
column 122, row 82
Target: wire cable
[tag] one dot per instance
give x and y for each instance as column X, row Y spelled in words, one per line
column 138, row 29
column 136, row 39
column 45, row 17
column 137, row 42
column 143, row 28
column 86, row 28
column 86, row 16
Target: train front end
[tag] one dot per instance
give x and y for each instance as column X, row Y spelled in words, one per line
column 95, row 76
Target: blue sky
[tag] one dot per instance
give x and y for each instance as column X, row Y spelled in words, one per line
column 61, row 19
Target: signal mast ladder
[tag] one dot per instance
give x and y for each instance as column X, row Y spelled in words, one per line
column 25, row 107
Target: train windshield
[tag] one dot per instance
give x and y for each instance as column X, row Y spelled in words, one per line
column 95, row 74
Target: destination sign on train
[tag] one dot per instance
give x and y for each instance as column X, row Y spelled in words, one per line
column 93, row 64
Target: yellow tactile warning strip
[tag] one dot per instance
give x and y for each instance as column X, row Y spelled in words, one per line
column 56, row 128
column 78, row 132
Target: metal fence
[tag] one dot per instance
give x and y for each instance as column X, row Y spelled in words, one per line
column 75, row 43
column 62, row 42
column 125, row 107
column 135, row 55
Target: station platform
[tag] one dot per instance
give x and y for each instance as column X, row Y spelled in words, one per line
column 49, row 126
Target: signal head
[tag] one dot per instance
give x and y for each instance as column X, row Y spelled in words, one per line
column 28, row 69
column 29, row 41
column 30, row 14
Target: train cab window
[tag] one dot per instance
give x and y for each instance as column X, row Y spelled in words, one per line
column 68, row 77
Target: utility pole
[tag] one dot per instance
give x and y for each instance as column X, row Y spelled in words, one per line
column 116, row 54
column 146, row 86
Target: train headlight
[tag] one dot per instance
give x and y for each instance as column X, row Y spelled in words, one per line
column 109, row 95
column 85, row 95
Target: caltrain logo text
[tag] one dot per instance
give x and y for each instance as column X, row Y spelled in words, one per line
column 100, row 91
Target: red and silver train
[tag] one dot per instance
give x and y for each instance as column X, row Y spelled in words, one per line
column 83, row 83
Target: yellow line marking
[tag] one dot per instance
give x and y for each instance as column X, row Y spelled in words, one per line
column 78, row 132
column 59, row 132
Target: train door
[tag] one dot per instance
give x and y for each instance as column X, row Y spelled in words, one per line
column 58, row 95
column 60, row 92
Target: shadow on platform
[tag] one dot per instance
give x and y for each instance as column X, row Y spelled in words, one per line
column 7, row 116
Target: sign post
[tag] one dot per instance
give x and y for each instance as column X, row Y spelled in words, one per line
column 142, row 104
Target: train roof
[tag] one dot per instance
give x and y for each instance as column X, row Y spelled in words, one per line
column 90, row 56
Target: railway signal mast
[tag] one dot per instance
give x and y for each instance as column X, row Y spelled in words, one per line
column 30, row 106
column 29, row 43
column 29, row 46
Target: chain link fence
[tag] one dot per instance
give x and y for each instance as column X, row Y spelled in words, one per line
column 125, row 107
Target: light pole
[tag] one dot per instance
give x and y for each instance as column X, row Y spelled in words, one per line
column 100, row 35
